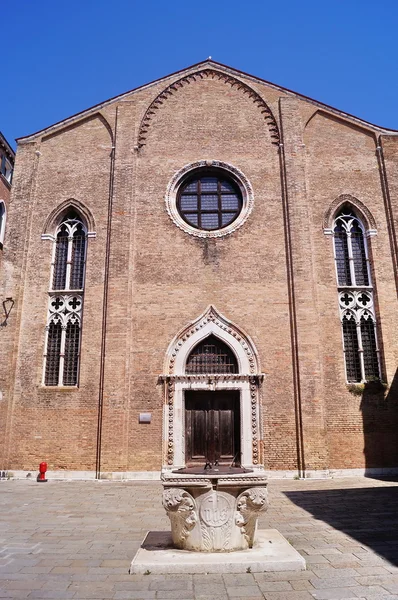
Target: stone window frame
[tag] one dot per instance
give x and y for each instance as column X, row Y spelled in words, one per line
column 71, row 225
column 231, row 172
column 352, row 301
column 176, row 381
column 65, row 306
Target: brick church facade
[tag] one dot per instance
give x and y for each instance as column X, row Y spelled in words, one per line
column 202, row 268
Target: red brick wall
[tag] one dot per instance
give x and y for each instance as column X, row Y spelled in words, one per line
column 160, row 278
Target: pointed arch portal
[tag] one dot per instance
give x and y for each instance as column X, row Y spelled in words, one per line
column 212, row 410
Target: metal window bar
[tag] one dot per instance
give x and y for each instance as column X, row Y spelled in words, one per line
column 369, row 346
column 60, row 261
column 211, row 356
column 54, row 336
column 209, row 202
column 342, row 256
column 78, row 259
column 351, row 350
column 359, row 255
column 71, row 355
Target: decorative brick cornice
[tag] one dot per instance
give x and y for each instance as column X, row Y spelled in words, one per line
column 208, row 74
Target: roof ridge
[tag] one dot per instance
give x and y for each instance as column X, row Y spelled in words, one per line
column 211, row 63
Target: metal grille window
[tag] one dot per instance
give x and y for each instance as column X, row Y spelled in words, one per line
column 342, row 256
column 211, row 356
column 65, row 307
column 351, row 349
column 54, row 335
column 78, row 258
column 72, row 345
column 61, row 259
column 209, row 200
column 359, row 257
column 352, row 263
column 368, row 335
column 361, row 353
column 69, row 255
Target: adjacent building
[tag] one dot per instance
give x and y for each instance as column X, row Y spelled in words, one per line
column 7, row 158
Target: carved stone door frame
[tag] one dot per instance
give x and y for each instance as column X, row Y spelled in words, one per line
column 176, row 381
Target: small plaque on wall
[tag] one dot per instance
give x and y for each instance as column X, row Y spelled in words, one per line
column 145, row 418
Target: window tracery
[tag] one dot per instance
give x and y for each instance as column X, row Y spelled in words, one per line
column 356, row 299
column 209, row 200
column 65, row 305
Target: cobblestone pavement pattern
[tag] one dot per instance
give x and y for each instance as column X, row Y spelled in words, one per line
column 76, row 540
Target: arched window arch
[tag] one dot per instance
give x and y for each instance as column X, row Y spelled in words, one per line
column 62, row 348
column 211, row 355
column 352, row 261
column 3, row 214
column 356, row 298
column 69, row 255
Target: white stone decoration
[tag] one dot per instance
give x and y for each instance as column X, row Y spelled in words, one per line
column 214, row 513
column 63, row 308
column 236, row 174
column 65, row 305
column 213, row 510
column 356, row 300
column 250, row 504
column 176, row 381
column 271, row 553
column 180, row 507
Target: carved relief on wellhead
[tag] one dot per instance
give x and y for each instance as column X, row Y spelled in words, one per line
column 216, row 513
column 249, row 505
column 181, row 510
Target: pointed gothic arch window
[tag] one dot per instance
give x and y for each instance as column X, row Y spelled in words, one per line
column 211, row 355
column 62, row 348
column 69, row 254
column 356, row 298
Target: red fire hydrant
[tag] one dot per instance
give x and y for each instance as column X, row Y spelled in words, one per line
column 42, row 474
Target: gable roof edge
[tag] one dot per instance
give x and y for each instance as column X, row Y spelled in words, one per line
column 210, row 63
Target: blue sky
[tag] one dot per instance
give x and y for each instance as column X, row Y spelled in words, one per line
column 59, row 57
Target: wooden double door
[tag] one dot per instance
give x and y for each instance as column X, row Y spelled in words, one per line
column 212, row 422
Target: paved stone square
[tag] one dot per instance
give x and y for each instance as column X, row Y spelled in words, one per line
column 76, row 540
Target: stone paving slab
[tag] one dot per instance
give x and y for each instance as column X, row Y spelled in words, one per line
column 76, row 540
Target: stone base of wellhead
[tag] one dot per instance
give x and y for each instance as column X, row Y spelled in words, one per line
column 271, row 552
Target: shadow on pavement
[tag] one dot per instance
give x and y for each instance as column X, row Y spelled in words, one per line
column 368, row 515
column 379, row 408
